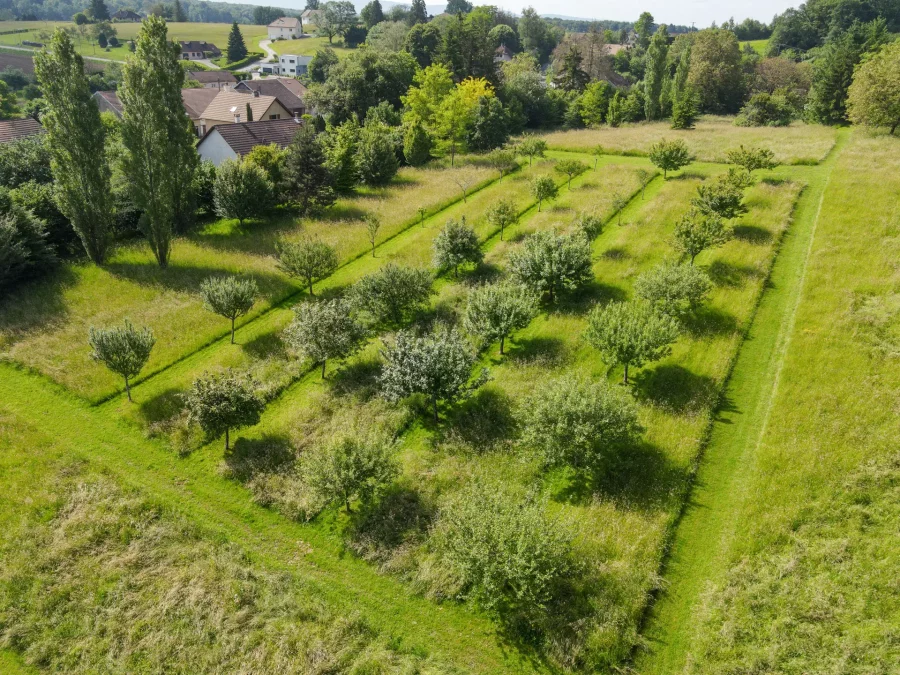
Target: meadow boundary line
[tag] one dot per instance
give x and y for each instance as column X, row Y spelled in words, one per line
column 286, row 301
column 223, row 507
column 486, row 244
column 779, row 338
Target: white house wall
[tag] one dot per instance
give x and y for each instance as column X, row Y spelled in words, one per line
column 215, row 149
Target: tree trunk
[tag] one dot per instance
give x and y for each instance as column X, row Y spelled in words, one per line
column 226, row 440
column 895, row 125
column 502, row 340
column 626, row 373
column 664, row 174
column 311, row 287
column 435, row 407
column 232, row 330
column 540, row 201
column 595, row 163
column 643, row 187
column 324, row 362
column 569, row 186
column 501, row 233
column 127, row 388
column 347, row 505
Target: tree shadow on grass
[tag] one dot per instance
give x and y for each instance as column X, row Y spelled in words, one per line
column 37, row 305
column 251, row 456
column 256, row 237
column 399, row 519
column 591, row 293
column 264, row 346
column 729, row 275
column 187, row 278
column 641, row 477
column 482, row 423
column 708, row 321
column 615, row 253
column 676, row 389
column 752, row 234
column 545, row 350
column 163, row 406
column 357, row 378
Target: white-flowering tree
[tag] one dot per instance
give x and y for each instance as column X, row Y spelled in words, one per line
column 438, row 366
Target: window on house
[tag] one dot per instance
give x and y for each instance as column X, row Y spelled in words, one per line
column 275, row 116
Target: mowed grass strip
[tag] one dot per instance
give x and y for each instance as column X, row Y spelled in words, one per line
column 259, row 347
column 713, row 136
column 623, row 521
column 808, row 580
column 707, row 524
column 346, row 585
column 44, row 325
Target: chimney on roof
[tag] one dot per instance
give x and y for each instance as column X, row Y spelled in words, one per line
column 256, row 93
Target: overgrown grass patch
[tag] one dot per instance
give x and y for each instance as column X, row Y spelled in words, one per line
column 713, row 136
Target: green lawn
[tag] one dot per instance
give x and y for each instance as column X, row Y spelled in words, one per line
column 713, row 136
column 781, row 477
column 309, row 46
column 623, row 528
column 802, row 578
column 215, row 33
column 44, row 325
column 759, row 46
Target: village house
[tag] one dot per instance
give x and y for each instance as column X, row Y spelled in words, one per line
column 213, row 79
column 285, row 28
column 13, row 130
column 195, row 50
column 232, row 141
column 231, row 107
column 288, row 91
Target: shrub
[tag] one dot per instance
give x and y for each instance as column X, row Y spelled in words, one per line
column 308, row 259
column 676, row 290
column 378, row 162
column 455, row 245
column 550, row 263
column 24, row 250
column 241, row 190
column 324, row 330
column 510, row 557
column 123, row 350
column 766, row 110
column 391, row 293
column 543, row 188
column 438, row 366
column 573, row 421
column 631, row 334
column 496, row 310
column 348, row 468
column 751, row 159
column 874, row 95
column 416, row 144
column 220, row 403
column 721, row 197
column 502, row 214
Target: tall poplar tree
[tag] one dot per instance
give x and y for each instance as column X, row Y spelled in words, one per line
column 418, row 12
column 76, row 141
column 655, row 73
column 178, row 14
column 160, row 158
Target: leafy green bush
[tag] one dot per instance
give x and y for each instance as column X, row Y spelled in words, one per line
column 766, row 110
column 674, row 289
column 509, row 556
column 576, row 422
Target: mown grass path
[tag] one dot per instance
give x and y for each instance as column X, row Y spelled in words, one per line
column 701, row 542
column 449, row 631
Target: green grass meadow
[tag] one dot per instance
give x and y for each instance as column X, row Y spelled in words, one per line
column 764, row 486
column 215, row 33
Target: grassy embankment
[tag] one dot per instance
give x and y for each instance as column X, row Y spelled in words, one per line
column 785, row 562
